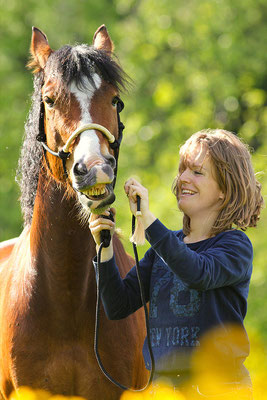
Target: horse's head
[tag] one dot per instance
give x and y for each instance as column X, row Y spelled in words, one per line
column 80, row 88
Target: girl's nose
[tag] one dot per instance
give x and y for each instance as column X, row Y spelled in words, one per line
column 185, row 176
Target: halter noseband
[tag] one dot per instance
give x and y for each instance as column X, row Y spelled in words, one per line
column 64, row 153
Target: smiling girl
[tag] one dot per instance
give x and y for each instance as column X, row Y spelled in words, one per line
column 196, row 278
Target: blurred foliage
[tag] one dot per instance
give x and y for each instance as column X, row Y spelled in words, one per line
column 194, row 65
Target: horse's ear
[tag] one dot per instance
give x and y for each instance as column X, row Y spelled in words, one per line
column 102, row 40
column 40, row 50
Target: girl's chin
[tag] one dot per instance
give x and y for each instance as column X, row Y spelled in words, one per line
column 182, row 208
column 185, row 208
column 184, row 202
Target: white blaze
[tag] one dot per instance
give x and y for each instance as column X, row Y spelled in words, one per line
column 89, row 143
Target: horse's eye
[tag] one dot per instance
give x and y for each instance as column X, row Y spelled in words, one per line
column 50, row 102
column 115, row 100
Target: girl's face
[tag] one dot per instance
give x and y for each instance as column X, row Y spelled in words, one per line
column 198, row 192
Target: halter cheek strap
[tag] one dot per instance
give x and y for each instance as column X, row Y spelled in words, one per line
column 64, row 153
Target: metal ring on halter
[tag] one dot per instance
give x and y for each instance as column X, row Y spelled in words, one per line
column 86, row 127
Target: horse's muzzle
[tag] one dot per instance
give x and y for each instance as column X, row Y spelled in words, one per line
column 94, row 185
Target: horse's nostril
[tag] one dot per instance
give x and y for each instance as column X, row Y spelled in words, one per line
column 111, row 161
column 80, row 169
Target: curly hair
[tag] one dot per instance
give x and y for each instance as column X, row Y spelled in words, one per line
column 233, row 171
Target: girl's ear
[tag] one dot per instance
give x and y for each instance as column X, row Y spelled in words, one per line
column 221, row 196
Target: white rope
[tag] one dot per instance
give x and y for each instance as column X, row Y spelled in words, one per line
column 87, row 127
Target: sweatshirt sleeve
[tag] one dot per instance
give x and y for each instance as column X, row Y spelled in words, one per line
column 121, row 297
column 227, row 262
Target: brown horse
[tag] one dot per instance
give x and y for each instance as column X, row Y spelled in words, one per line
column 47, row 280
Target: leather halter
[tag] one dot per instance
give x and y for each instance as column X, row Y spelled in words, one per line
column 64, row 153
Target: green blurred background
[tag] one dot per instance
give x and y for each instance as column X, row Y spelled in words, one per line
column 195, row 64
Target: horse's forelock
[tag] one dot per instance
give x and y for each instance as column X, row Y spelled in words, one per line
column 73, row 63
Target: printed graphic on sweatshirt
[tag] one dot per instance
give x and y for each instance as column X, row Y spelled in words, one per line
column 180, row 336
column 183, row 302
column 172, row 310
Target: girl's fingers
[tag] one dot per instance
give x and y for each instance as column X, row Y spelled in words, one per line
column 94, row 217
column 99, row 228
column 136, row 191
column 133, row 189
column 97, row 223
column 129, row 183
column 102, row 222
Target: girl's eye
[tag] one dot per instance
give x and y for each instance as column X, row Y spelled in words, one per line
column 198, row 173
column 50, row 102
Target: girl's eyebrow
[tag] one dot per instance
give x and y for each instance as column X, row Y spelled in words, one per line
column 198, row 166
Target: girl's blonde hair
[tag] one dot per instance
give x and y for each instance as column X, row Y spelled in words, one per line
column 235, row 176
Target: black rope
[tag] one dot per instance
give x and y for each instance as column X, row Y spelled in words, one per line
column 64, row 156
column 105, row 243
column 115, row 146
column 41, row 137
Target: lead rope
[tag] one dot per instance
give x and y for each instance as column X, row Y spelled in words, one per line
column 105, row 243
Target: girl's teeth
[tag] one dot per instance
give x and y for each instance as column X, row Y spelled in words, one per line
column 187, row 192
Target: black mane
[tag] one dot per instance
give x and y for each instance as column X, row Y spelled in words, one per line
column 70, row 63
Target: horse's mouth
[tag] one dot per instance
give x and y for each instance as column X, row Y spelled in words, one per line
column 96, row 192
column 96, row 198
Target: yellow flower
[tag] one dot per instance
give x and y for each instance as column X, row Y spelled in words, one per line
column 159, row 391
column 25, row 393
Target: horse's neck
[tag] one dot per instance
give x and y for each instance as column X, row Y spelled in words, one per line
column 61, row 248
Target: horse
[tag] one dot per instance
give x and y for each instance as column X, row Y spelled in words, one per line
column 67, row 170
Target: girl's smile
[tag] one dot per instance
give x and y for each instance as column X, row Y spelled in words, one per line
column 187, row 192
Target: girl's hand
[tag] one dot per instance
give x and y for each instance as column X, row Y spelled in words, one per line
column 133, row 189
column 97, row 223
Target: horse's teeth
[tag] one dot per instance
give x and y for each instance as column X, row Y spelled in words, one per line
column 96, row 191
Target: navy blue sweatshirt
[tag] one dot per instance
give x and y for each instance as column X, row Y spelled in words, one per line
column 192, row 288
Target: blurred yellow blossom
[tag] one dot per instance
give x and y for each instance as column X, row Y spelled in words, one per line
column 210, row 371
column 214, row 372
column 158, row 391
column 26, row 393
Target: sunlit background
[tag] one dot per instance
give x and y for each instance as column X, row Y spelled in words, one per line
column 194, row 64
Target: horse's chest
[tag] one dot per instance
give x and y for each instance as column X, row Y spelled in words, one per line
column 69, row 369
